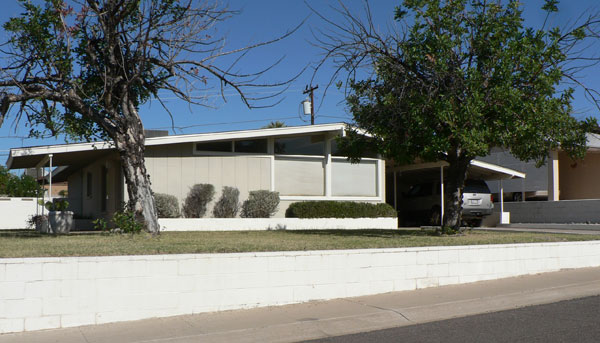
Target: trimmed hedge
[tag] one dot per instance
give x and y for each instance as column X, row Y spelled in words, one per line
column 167, row 206
column 260, row 204
column 339, row 209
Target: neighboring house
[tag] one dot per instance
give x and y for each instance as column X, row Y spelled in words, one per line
column 301, row 163
column 561, row 178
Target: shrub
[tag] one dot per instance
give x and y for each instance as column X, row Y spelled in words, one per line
column 260, row 204
column 57, row 205
column 197, row 199
column 339, row 209
column 229, row 204
column 126, row 222
column 167, row 206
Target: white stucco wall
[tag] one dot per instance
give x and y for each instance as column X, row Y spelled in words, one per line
column 15, row 212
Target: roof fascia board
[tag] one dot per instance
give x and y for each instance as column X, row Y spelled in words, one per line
column 217, row 136
column 202, row 137
column 57, row 149
column 496, row 168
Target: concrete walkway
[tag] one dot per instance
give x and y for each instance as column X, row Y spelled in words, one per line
column 313, row 320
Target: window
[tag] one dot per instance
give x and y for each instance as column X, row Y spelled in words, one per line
column 222, row 146
column 251, row 146
column 304, row 145
column 89, row 184
column 299, row 176
column 104, row 189
column 354, row 179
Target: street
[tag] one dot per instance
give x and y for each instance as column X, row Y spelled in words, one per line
column 566, row 321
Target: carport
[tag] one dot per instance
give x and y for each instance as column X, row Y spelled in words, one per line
column 435, row 171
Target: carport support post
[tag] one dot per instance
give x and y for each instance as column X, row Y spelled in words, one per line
column 501, row 198
column 50, row 178
column 553, row 185
column 442, row 196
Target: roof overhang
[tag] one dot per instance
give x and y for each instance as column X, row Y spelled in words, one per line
column 477, row 170
column 75, row 153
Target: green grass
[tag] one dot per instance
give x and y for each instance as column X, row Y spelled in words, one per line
column 27, row 243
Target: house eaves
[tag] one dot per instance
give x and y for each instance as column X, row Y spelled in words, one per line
column 29, row 156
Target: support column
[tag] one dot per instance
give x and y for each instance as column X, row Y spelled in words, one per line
column 328, row 168
column 504, row 216
column 553, row 180
column 50, row 178
column 442, row 196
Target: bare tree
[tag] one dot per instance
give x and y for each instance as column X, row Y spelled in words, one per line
column 84, row 67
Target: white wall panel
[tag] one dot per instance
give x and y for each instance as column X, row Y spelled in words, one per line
column 299, row 176
column 354, row 179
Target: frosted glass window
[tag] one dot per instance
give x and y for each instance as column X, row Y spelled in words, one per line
column 299, row 176
column 349, row 179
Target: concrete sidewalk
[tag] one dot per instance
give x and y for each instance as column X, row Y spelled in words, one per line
column 313, row 320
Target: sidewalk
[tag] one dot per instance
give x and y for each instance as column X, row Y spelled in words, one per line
column 313, row 320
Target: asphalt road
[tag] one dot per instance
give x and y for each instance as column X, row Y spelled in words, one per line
column 566, row 321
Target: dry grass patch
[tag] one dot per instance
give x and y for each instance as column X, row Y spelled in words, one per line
column 27, row 243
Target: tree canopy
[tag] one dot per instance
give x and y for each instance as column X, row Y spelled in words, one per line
column 18, row 186
column 84, row 67
column 457, row 78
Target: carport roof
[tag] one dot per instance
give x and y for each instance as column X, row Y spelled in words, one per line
column 477, row 170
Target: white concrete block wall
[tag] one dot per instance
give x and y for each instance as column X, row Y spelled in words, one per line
column 42, row 293
column 250, row 224
column 15, row 212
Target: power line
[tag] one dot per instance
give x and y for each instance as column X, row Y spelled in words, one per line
column 225, row 123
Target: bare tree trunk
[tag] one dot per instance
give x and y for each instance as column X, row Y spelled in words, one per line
column 130, row 144
column 457, row 173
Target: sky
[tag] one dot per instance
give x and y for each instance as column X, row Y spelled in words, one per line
column 261, row 20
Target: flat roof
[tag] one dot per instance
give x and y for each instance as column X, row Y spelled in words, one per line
column 477, row 170
column 29, row 157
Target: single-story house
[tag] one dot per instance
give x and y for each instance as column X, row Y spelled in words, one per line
column 561, row 178
column 301, row 163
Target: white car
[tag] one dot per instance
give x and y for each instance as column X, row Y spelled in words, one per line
column 421, row 203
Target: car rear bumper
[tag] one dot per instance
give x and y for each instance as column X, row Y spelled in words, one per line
column 476, row 212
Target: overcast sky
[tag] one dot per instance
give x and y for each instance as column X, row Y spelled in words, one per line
column 265, row 19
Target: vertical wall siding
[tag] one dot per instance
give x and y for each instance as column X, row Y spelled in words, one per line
column 174, row 169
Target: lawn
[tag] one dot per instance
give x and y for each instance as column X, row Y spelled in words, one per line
column 28, row 243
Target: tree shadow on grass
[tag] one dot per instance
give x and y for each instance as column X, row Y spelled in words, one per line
column 378, row 233
column 21, row 234
column 29, row 233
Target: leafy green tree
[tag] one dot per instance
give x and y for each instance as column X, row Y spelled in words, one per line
column 5, row 176
column 18, row 186
column 83, row 68
column 458, row 77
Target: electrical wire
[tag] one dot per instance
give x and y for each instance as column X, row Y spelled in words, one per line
column 225, row 123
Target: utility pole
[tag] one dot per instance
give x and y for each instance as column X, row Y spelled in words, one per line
column 312, row 102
